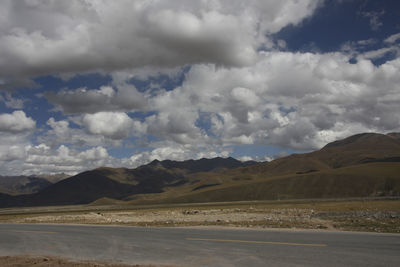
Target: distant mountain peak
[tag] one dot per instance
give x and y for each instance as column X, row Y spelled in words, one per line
column 199, row 165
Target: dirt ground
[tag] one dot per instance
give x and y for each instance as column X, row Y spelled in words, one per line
column 378, row 216
column 188, row 217
column 25, row 261
column 370, row 216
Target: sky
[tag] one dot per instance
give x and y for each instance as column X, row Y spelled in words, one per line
column 87, row 83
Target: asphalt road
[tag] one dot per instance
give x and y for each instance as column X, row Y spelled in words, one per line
column 201, row 247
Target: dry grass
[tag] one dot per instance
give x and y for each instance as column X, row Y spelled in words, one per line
column 374, row 179
column 354, row 215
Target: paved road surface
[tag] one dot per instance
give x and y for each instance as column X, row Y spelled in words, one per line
column 200, row 246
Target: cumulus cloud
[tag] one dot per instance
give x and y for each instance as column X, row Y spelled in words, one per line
column 27, row 159
column 175, row 125
column 293, row 100
column 16, row 122
column 61, row 132
column 42, row 158
column 114, row 125
column 11, row 153
column 233, row 84
column 44, row 37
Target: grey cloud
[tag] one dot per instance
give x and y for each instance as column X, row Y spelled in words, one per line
column 45, row 37
column 294, row 100
column 12, row 153
column 176, row 126
column 231, row 95
column 125, row 98
column 61, row 133
column 323, row 98
column 12, row 83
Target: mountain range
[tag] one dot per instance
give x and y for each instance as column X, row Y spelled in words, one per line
column 19, row 185
column 363, row 165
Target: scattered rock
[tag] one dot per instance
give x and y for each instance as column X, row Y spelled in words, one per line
column 190, row 212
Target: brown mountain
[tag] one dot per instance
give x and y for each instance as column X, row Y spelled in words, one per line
column 356, row 149
column 362, row 165
column 18, row 185
column 22, row 185
column 361, row 148
column 202, row 165
column 119, row 183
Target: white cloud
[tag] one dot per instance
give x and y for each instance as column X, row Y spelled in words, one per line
column 245, row 96
column 11, row 153
column 114, row 125
column 27, row 159
column 44, row 37
column 379, row 53
column 292, row 100
column 16, row 122
column 366, row 49
column 256, row 158
column 232, row 94
column 43, row 159
column 61, row 132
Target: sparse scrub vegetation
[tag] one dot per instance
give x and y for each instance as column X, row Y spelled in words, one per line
column 349, row 215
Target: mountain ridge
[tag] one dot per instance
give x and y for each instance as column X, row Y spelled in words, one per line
column 19, row 185
column 119, row 183
column 361, row 165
